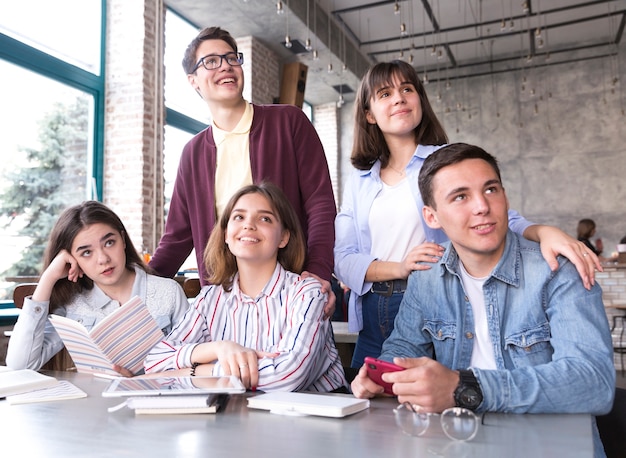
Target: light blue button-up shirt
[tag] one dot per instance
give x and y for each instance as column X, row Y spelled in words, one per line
column 353, row 242
column 550, row 335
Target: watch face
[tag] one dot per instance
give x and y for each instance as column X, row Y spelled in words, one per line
column 470, row 397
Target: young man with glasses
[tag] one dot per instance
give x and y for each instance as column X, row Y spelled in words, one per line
column 490, row 327
column 245, row 144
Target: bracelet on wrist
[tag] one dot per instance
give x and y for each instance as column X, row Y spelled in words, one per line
column 192, row 373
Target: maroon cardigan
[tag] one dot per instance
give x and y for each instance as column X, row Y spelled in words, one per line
column 284, row 149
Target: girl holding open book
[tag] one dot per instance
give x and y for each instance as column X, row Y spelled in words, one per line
column 90, row 268
column 258, row 319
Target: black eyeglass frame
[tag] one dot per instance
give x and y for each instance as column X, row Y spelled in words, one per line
column 238, row 60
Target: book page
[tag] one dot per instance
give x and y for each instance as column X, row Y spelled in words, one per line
column 124, row 338
column 64, row 390
column 128, row 334
column 87, row 356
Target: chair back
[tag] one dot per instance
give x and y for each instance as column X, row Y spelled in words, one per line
column 21, row 291
column 192, row 287
column 62, row 361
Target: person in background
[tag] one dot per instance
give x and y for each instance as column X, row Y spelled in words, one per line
column 258, row 319
column 585, row 230
column 90, row 268
column 380, row 235
column 244, row 144
column 499, row 330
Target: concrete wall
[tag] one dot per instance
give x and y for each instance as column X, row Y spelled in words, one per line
column 562, row 164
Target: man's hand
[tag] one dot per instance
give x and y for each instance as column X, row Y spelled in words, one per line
column 363, row 387
column 329, row 307
column 424, row 383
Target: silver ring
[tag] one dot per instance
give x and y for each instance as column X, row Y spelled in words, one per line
column 584, row 254
column 243, row 366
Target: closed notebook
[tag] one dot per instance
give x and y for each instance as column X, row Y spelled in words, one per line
column 23, row 381
column 325, row 405
column 176, row 405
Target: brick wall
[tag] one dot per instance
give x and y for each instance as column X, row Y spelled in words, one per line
column 613, row 283
column 261, row 70
column 134, row 117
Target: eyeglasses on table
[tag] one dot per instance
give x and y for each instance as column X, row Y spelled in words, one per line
column 457, row 423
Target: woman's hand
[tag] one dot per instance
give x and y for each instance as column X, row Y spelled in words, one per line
column 428, row 252
column 553, row 241
column 63, row 265
column 242, row 362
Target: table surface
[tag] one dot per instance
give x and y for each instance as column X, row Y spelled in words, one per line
column 83, row 427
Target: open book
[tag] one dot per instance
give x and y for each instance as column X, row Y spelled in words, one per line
column 124, row 338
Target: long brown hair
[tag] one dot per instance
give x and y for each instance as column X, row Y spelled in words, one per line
column 369, row 142
column 70, row 223
column 221, row 264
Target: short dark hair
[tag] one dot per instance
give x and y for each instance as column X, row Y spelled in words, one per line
column 585, row 228
column 369, row 143
column 209, row 33
column 449, row 155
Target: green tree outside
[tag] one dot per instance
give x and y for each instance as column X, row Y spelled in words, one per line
column 53, row 179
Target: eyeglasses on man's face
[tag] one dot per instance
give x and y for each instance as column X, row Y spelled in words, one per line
column 457, row 423
column 213, row 61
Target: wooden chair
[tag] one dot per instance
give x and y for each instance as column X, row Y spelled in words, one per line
column 192, row 287
column 62, row 361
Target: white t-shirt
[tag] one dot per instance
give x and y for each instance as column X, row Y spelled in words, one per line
column 394, row 222
column 483, row 356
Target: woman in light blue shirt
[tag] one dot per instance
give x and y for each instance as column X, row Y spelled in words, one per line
column 380, row 235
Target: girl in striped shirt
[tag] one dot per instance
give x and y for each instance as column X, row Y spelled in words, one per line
column 258, row 319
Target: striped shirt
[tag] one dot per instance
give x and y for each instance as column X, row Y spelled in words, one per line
column 286, row 317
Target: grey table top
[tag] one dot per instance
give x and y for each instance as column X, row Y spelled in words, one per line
column 84, row 428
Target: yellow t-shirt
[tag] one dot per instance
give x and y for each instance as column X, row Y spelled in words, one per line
column 233, row 169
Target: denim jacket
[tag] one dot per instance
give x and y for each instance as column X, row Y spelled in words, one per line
column 353, row 240
column 551, row 337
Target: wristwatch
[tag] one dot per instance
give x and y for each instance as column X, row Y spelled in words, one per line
column 468, row 393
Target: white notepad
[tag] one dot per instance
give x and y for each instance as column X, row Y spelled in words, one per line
column 325, row 405
column 64, row 390
column 23, row 381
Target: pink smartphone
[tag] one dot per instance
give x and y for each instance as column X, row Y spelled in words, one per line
column 376, row 368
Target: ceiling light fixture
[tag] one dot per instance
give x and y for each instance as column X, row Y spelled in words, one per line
column 279, row 7
column 307, row 42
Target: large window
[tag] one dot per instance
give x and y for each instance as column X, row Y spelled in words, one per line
column 51, row 102
column 187, row 113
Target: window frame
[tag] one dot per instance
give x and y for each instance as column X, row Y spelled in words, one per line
column 37, row 61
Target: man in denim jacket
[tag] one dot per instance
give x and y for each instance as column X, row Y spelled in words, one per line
column 491, row 327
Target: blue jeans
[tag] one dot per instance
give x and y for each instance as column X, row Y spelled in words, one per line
column 379, row 314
